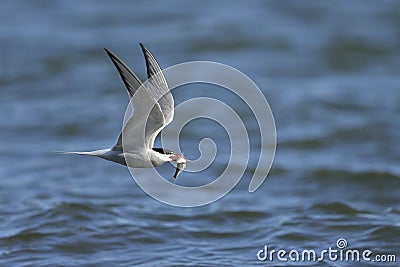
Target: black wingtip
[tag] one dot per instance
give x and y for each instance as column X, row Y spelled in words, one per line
column 144, row 49
column 115, row 59
column 131, row 81
column 109, row 53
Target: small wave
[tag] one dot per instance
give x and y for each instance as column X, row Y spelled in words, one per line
column 29, row 235
column 296, row 236
column 76, row 211
column 335, row 208
column 387, row 232
column 366, row 176
column 393, row 210
column 216, row 217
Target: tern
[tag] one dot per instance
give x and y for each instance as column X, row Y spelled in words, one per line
column 153, row 109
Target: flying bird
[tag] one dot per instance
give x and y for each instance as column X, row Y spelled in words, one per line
column 153, row 109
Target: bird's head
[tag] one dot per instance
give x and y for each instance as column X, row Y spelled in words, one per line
column 180, row 160
column 180, row 164
column 172, row 156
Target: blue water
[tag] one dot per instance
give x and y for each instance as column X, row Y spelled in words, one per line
column 328, row 69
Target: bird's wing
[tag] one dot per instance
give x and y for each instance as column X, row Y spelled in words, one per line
column 153, row 104
column 157, row 86
column 131, row 81
column 145, row 107
column 146, row 121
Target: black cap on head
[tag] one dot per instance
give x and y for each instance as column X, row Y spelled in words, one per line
column 163, row 151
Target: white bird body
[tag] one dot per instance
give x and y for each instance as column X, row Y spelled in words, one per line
column 139, row 159
column 153, row 110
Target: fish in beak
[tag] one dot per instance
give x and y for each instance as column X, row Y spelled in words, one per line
column 180, row 166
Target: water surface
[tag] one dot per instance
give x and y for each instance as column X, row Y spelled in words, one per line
column 328, row 69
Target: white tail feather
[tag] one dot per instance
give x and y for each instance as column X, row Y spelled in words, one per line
column 88, row 153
